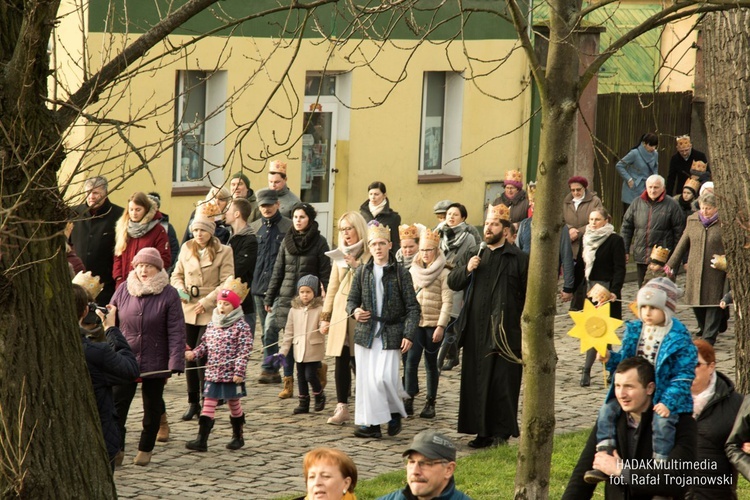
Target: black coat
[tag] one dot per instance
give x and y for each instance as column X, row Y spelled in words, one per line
column 647, row 223
column 93, row 237
column 609, row 268
column 714, row 425
column 245, row 249
column 679, row 170
column 685, row 449
column 387, row 217
column 270, row 237
column 109, row 363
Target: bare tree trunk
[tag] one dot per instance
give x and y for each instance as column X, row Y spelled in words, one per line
column 727, row 66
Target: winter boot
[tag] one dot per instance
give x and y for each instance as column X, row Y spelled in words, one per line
column 194, row 410
column 205, row 424
column 341, row 415
column 323, row 375
column 409, row 406
column 288, row 390
column 163, row 435
column 143, row 458
column 429, row 409
column 595, row 476
column 303, row 406
column 320, row 401
column 238, row 440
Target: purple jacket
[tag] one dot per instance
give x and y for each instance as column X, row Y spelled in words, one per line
column 154, row 326
column 228, row 349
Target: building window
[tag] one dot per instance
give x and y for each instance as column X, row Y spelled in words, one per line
column 442, row 114
column 199, row 127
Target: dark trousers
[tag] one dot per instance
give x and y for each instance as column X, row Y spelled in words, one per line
column 152, row 392
column 423, row 344
column 709, row 321
column 308, row 373
column 194, row 378
column 343, row 375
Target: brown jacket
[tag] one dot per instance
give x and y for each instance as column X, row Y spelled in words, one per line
column 202, row 276
column 705, row 285
column 302, row 332
column 579, row 219
column 341, row 331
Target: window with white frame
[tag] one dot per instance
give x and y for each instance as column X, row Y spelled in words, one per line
column 199, row 127
column 442, row 114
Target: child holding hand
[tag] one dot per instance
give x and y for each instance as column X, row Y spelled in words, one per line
column 227, row 342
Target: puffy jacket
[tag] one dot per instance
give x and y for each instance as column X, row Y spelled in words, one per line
column 436, row 299
column 269, row 233
column 651, row 222
column 302, row 331
column 155, row 238
column 387, row 217
column 245, row 250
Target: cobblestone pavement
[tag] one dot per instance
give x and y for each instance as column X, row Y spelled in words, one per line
column 270, row 464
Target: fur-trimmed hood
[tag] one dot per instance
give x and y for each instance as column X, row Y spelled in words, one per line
column 316, row 302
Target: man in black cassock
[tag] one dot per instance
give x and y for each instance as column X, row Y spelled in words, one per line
column 490, row 333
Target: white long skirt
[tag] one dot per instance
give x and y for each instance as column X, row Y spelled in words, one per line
column 379, row 387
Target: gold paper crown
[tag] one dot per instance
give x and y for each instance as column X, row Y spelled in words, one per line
column 719, row 262
column 375, row 232
column 693, row 184
column 698, row 166
column 659, row 255
column 599, row 294
column 92, row 284
column 237, row 286
column 514, row 175
column 498, row 212
column 431, row 236
column 407, row 232
column 531, row 191
column 277, row 167
column 210, row 209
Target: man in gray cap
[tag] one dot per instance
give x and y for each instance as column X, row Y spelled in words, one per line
column 440, row 208
column 430, row 464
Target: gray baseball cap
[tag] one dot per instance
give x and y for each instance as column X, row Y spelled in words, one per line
column 433, row 445
column 442, row 206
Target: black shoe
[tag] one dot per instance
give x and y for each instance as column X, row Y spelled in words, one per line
column 500, row 441
column 481, row 442
column 595, row 476
column 394, row 425
column 429, row 409
column 585, row 379
column 368, row 431
column 409, row 406
column 193, row 410
column 449, row 364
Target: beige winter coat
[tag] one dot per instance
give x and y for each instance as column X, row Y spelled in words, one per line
column 206, row 275
column 435, row 299
column 579, row 218
column 302, row 332
column 341, row 331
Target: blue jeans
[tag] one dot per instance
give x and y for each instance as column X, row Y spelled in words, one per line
column 271, row 336
column 422, row 343
column 662, row 429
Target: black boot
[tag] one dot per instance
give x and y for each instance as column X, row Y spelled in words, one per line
column 409, row 406
column 193, row 410
column 320, row 401
column 205, row 424
column 303, row 406
column 595, row 476
column 429, row 409
column 394, row 425
column 585, row 378
column 238, row 440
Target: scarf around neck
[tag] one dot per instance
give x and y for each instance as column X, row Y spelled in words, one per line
column 298, row 243
column 453, row 237
column 708, row 221
column 592, row 240
column 355, row 250
column 153, row 286
column 376, row 209
column 228, row 319
column 424, row 276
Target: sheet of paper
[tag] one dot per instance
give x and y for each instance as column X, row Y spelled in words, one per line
column 337, row 256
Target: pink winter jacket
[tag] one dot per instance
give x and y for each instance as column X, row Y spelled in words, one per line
column 228, row 350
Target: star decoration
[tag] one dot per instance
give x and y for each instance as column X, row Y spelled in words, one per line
column 594, row 327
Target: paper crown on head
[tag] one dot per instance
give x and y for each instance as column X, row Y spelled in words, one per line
column 237, row 286
column 92, row 284
column 498, row 212
column 277, row 167
column 659, row 255
column 428, row 235
column 599, row 294
column 210, row 209
column 407, row 232
column 514, row 175
column 698, row 166
column 376, row 231
column 693, row 184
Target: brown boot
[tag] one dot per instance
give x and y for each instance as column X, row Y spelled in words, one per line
column 143, row 458
column 323, row 375
column 163, row 435
column 288, row 390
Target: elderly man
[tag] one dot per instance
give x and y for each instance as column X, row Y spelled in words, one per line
column 681, row 163
column 277, row 182
column 93, row 234
column 653, row 219
column 239, row 186
column 430, row 464
column 631, row 471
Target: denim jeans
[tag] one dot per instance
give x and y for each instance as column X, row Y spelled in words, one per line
column 266, row 319
column 662, row 429
column 422, row 343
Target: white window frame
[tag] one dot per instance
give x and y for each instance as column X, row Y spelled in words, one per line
column 452, row 125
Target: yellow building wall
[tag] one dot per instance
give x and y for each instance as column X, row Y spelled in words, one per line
column 677, row 73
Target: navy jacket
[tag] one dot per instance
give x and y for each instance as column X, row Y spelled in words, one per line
column 269, row 233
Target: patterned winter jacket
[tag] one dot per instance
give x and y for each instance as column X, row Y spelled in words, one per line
column 675, row 365
column 228, row 350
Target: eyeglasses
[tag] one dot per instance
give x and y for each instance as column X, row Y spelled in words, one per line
column 345, row 229
column 423, row 464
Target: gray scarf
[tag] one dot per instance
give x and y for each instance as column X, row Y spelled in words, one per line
column 138, row 229
column 225, row 320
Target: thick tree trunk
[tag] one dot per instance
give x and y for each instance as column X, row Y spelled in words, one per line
column 726, row 59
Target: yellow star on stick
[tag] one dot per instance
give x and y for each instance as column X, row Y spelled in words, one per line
column 594, row 327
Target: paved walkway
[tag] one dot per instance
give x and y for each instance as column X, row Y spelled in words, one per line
column 270, row 464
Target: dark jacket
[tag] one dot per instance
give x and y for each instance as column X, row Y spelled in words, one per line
column 245, row 249
column 579, row 218
column 387, row 217
column 93, row 237
column 740, row 434
column 567, row 257
column 269, row 233
column 651, row 222
column 174, row 243
column 291, row 264
column 679, row 170
column 684, row 449
column 519, row 205
column 449, row 493
column 610, row 269
column 400, row 312
column 109, row 363
column 714, row 425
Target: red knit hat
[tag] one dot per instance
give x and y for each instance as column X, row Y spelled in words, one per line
column 229, row 296
column 579, row 180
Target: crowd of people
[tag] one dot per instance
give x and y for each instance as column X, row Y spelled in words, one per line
column 254, row 267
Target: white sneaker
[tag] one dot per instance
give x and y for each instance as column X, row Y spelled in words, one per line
column 341, row 415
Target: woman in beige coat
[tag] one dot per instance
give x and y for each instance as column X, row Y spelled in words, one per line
column 334, row 320
column 430, row 277
column 202, row 266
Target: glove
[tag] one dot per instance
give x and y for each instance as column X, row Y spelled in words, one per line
column 276, row 360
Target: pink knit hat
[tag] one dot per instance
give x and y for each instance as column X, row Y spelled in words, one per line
column 149, row 255
column 229, row 296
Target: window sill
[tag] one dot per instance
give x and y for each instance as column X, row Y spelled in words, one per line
column 438, row 178
column 190, row 191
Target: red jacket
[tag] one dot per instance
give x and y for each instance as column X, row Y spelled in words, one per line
column 156, row 238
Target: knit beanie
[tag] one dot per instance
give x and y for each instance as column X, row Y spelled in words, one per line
column 203, row 222
column 149, row 255
column 310, row 281
column 307, row 208
column 661, row 293
column 577, row 179
column 229, row 296
column 240, row 175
